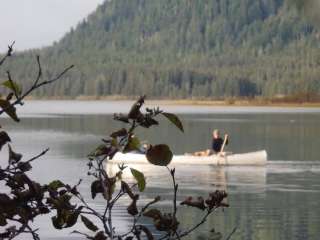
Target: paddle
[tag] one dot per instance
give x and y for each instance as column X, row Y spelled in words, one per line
column 224, row 144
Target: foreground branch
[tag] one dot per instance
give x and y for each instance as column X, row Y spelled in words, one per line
column 35, row 85
column 38, row 156
column 8, row 54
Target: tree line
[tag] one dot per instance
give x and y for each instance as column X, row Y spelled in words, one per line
column 183, row 49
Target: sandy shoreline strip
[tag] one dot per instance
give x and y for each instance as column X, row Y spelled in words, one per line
column 193, row 102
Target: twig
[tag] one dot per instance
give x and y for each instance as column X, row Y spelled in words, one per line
column 16, row 94
column 21, row 230
column 110, row 223
column 13, row 169
column 146, row 206
column 38, row 156
column 178, row 236
column 36, row 85
column 33, row 233
column 94, row 212
column 231, row 234
column 203, row 220
column 137, row 218
column 187, row 232
column 39, row 71
column 8, row 54
column 83, row 234
column 88, row 213
column 175, row 190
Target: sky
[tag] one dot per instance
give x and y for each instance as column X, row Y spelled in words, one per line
column 38, row 23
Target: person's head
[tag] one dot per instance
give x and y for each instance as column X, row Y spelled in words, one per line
column 216, row 133
column 146, row 146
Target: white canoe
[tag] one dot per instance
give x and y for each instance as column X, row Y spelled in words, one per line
column 258, row 158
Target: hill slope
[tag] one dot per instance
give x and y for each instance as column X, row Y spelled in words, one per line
column 184, row 48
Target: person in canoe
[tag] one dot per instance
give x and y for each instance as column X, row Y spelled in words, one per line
column 217, row 142
column 217, row 145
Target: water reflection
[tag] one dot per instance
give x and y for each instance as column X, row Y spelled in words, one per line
column 277, row 202
column 285, row 136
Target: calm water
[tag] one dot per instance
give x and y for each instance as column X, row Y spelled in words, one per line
column 280, row 201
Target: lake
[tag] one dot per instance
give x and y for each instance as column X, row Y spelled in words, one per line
column 279, row 201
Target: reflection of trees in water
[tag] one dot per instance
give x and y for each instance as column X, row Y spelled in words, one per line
column 263, row 207
column 197, row 181
column 285, row 136
column 263, row 214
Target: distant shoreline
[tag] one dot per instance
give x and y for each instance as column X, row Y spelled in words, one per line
column 239, row 103
column 195, row 102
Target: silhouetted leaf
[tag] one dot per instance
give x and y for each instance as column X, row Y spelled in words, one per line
column 140, row 179
column 147, row 232
column 153, row 213
column 216, row 198
column 9, row 109
column 54, row 185
column 5, row 235
column 3, row 221
column 132, row 145
column 2, row 174
column 112, row 152
column 36, row 190
column 13, row 157
column 10, row 96
column 121, row 118
column 119, row 133
column 4, row 138
column 199, row 203
column 109, row 187
column 147, row 121
column 132, row 208
column 99, row 151
column 19, row 180
column 72, row 218
column 89, row 224
column 15, row 87
column 57, row 222
column 167, row 223
column 162, row 222
column 126, row 189
column 134, row 112
column 24, row 166
column 174, row 119
column 96, row 187
column 160, row 155
column 100, row 236
column 25, row 214
column 44, row 210
column 6, row 201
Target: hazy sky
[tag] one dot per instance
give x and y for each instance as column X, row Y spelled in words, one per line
column 36, row 23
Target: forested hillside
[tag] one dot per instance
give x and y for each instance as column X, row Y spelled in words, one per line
column 183, row 49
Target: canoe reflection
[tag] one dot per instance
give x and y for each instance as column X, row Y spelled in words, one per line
column 200, row 178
